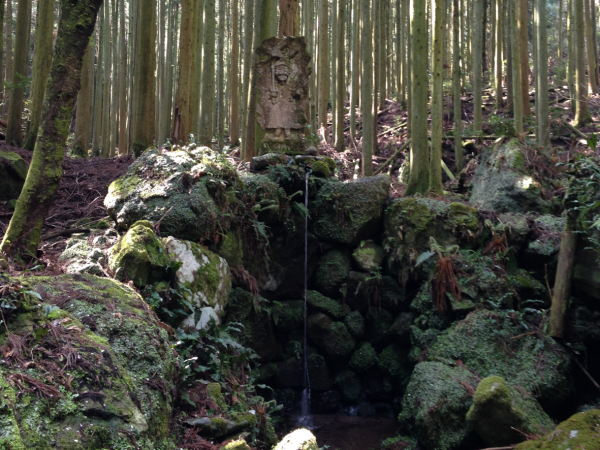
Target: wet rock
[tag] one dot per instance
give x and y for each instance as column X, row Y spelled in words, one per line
column 363, row 358
column 290, row 373
column 332, row 337
column 327, row 402
column 517, row 228
column 140, row 256
column 289, row 315
column 394, row 364
column 483, row 342
column 261, row 162
column 332, row 271
column 216, row 427
column 579, row 431
column 13, row 171
column 206, row 280
column 368, row 256
column 499, row 410
column 300, row 439
column 502, row 184
column 238, row 444
column 392, row 296
column 543, row 249
column 355, row 323
column 323, row 304
column 360, row 291
column 347, row 213
column 436, row 402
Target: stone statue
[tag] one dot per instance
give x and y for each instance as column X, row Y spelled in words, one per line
column 283, row 102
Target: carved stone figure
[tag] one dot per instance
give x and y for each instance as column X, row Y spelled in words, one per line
column 283, row 102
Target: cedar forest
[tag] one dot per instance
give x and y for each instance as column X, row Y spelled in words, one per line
column 299, row 224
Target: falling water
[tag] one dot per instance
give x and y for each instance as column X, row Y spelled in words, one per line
column 305, row 419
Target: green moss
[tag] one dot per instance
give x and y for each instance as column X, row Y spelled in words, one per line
column 326, row 305
column 464, row 217
column 332, row 271
column 355, row 324
column 349, row 385
column 363, row 358
column 321, row 169
column 213, row 390
column 232, row 249
column 581, row 431
column 331, row 337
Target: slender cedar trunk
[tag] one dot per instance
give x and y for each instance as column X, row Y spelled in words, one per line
column 499, row 55
column 97, row 121
column 289, row 15
column 207, row 126
column 199, row 62
column 562, row 285
column 354, row 71
column 333, row 71
column 559, row 47
column 376, row 69
column 524, row 55
column 221, row 74
column 234, row 114
column 105, row 153
column 492, row 39
column 248, row 20
column 182, row 126
column 582, row 113
column 9, row 59
column 250, row 136
column 42, row 59
column 456, row 81
column 419, row 153
column 122, row 82
column 82, row 119
column 366, row 53
column 145, row 55
column 195, row 66
column 591, row 52
column 516, row 67
column 409, row 102
column 571, row 54
column 2, row 11
column 131, row 97
column 381, row 54
column 542, row 114
column 595, row 37
column 310, row 33
column 161, row 79
column 45, row 171
column 477, row 67
column 340, row 139
column 14, row 134
column 508, row 53
column 437, row 93
column 171, row 62
column 323, row 65
column 114, row 103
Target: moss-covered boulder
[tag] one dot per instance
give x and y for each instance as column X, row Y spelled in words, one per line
column 96, row 364
column 363, row 358
column 493, row 343
column 13, row 171
column 331, row 337
column 300, row 439
column 378, row 322
column 349, row 385
column 368, row 256
column 205, row 278
column 86, row 253
column 332, row 271
column 499, row 410
column 320, row 303
column 394, row 364
column 580, row 431
column 503, row 182
column 288, row 316
column 544, row 242
column 355, row 323
column 140, row 256
column 172, row 187
column 256, row 331
column 347, row 213
column 435, row 405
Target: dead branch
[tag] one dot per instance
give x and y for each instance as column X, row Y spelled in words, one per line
column 63, row 233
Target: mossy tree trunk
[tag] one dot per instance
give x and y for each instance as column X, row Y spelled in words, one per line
column 105, row 147
column 122, row 82
column 14, row 134
column 571, row 54
column 522, row 28
column 582, row 112
column 355, row 66
column 340, row 139
column 437, row 97
column 145, row 63
column 8, row 58
column 419, row 152
column 97, row 109
column 248, row 21
column 42, row 58
column 2, row 13
column 366, row 53
column 45, row 171
column 221, row 75
column 82, row 119
column 541, row 71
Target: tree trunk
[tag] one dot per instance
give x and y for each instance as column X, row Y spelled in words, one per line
column 82, row 119
column 9, row 59
column 42, row 59
column 560, row 31
column 122, row 82
column 161, row 79
column 289, row 15
column 2, row 12
column 499, row 55
column 105, row 153
column 457, row 88
column 114, row 102
column 248, row 19
column 145, row 55
column 340, row 140
column 516, row 66
column 333, row 70
column 97, row 110
column 562, row 285
column 437, row 97
column 14, row 135
column 508, row 53
column 366, row 53
column 571, row 55
column 45, row 171
column 234, row 114
column 323, row 64
column 355, row 68
column 582, row 112
column 207, row 127
column 477, row 67
column 541, row 71
column 221, row 74
column 591, row 52
column 419, row 154
column 522, row 29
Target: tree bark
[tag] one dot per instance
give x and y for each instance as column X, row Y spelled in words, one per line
column 477, row 67
column 221, row 75
column 145, row 55
column 437, row 97
column 105, row 152
column 456, row 81
column 9, row 59
column 45, row 171
column 207, row 127
column 323, row 64
column 2, row 12
column 571, row 55
column 234, row 113
column 340, row 140
column 499, row 55
column 122, row 82
column 289, row 18
column 542, row 106
column 366, row 53
column 522, row 28
column 419, row 154
column 42, row 59
column 355, row 68
column 14, row 135
column 591, row 52
column 582, row 112
column 516, row 66
column 82, row 119
column 97, row 109
column 562, row 285
column 560, row 31
column 248, row 30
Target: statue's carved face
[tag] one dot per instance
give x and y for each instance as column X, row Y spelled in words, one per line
column 282, row 72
